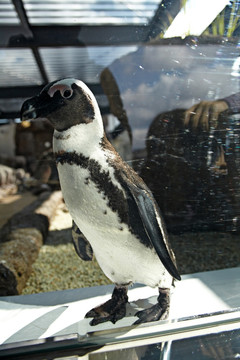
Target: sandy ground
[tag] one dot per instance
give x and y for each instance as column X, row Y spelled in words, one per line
column 11, row 204
column 58, row 267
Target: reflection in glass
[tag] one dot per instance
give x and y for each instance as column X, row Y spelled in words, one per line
column 223, row 346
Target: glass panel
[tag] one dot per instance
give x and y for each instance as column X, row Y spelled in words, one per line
column 158, row 81
column 13, row 66
column 209, row 347
column 165, row 75
column 8, row 15
column 90, row 12
column 215, row 334
column 86, row 63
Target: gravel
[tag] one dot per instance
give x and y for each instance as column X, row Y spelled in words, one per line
column 58, row 267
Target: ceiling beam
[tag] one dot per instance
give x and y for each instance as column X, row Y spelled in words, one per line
column 20, row 10
column 23, row 92
column 56, row 36
column 25, row 23
column 19, row 91
column 40, row 64
column 29, row 91
column 16, row 114
column 9, row 115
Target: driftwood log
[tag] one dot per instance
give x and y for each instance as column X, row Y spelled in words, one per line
column 21, row 239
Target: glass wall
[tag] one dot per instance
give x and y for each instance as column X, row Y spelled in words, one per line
column 165, row 75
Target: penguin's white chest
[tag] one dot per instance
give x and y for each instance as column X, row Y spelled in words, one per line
column 87, row 204
column 122, row 257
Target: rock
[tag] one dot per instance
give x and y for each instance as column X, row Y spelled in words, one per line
column 7, row 175
column 7, row 276
column 21, row 239
column 16, row 258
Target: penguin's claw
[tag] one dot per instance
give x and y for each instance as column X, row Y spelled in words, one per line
column 158, row 311
column 112, row 310
column 109, row 311
column 154, row 313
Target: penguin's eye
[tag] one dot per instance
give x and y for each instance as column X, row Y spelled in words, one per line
column 67, row 93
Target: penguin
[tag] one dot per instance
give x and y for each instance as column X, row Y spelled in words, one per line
column 115, row 216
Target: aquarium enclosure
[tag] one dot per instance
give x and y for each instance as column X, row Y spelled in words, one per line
column 166, row 77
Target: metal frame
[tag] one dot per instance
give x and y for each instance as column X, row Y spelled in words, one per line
column 122, row 338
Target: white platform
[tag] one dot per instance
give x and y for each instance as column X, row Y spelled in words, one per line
column 29, row 317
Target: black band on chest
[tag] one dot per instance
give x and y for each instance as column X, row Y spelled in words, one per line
column 102, row 180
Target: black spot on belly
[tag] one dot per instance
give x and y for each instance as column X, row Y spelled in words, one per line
column 86, row 181
column 105, row 212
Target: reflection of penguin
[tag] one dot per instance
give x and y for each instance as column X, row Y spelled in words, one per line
column 107, row 200
column 119, row 137
column 110, row 87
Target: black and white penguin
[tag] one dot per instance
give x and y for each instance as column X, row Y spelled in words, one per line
column 109, row 203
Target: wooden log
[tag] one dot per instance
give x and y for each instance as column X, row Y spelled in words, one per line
column 21, row 239
column 16, row 258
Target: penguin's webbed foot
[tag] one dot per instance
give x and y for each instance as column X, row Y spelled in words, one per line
column 112, row 310
column 157, row 311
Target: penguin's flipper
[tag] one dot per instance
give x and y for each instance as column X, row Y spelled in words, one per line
column 82, row 246
column 153, row 223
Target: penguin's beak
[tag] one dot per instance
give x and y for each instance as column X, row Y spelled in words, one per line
column 30, row 109
column 36, row 107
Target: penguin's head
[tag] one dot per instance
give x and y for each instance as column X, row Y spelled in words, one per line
column 65, row 103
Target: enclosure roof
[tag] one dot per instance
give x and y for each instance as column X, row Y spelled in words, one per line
column 79, row 12
column 48, row 39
